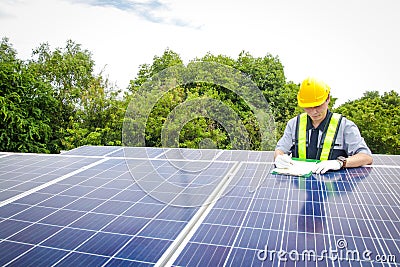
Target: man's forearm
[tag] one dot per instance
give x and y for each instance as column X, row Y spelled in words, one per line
column 358, row 160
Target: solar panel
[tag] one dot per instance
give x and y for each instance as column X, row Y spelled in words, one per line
column 349, row 216
column 114, row 206
column 22, row 172
column 89, row 151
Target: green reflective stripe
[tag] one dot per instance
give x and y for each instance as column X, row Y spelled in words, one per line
column 330, row 135
column 302, row 149
column 327, row 142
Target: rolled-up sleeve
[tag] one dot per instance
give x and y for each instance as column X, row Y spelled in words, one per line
column 286, row 142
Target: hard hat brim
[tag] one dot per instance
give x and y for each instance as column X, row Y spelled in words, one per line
column 310, row 104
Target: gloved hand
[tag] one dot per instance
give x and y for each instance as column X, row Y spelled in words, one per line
column 283, row 161
column 326, row 165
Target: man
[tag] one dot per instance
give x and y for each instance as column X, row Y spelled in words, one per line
column 320, row 134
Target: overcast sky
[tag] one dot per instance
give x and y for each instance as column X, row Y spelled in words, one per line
column 353, row 45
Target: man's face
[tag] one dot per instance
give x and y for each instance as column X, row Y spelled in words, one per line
column 318, row 113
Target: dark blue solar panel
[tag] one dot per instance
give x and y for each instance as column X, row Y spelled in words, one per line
column 68, row 238
column 128, row 263
column 143, row 152
column 35, row 233
column 33, row 214
column 89, row 151
column 104, row 215
column 97, row 215
column 23, row 172
column 353, row 211
column 142, row 249
column 11, row 227
column 127, row 225
column 10, row 251
column 165, row 229
column 39, row 256
column 81, row 259
column 96, row 245
column 62, row 217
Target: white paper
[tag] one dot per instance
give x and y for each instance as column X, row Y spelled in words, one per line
column 298, row 168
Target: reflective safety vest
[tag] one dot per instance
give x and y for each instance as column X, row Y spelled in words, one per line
column 327, row 143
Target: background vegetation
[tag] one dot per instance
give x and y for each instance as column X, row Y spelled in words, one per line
column 54, row 101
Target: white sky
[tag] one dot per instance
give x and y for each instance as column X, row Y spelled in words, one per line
column 353, row 45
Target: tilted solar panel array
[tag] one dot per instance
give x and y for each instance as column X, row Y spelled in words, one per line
column 106, row 206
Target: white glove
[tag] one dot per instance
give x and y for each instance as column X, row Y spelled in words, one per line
column 283, row 161
column 326, row 165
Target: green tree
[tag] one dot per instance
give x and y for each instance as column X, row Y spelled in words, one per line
column 88, row 109
column 138, row 103
column 69, row 71
column 267, row 72
column 268, row 75
column 27, row 106
column 100, row 116
column 378, row 118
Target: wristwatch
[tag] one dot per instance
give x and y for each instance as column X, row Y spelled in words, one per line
column 343, row 161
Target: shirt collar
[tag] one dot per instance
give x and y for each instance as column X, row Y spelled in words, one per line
column 321, row 126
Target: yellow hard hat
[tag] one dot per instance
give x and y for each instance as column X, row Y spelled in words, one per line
column 312, row 93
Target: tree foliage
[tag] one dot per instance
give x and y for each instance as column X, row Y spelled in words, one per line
column 266, row 73
column 378, row 118
column 55, row 101
column 27, row 105
column 88, row 111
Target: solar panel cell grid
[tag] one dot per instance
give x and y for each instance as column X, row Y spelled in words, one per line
column 102, row 214
column 386, row 160
column 89, row 151
column 293, row 215
column 19, row 173
column 88, row 210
